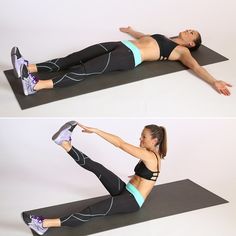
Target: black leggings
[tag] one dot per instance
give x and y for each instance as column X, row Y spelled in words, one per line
column 120, row 201
column 94, row 60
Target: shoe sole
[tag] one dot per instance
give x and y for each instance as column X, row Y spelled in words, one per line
column 13, row 60
column 67, row 125
column 24, row 88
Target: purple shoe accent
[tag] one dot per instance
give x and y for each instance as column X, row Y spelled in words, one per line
column 28, row 81
column 38, row 218
column 36, row 224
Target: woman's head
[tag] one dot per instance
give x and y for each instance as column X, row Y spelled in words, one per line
column 191, row 39
column 154, row 136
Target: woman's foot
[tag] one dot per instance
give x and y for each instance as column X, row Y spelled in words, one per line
column 28, row 80
column 64, row 133
column 17, row 60
column 35, row 223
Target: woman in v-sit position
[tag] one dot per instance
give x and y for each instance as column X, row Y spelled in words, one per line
column 115, row 56
column 124, row 198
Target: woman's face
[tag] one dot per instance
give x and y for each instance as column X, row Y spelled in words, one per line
column 146, row 140
column 189, row 35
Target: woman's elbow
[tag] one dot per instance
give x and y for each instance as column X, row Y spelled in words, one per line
column 119, row 143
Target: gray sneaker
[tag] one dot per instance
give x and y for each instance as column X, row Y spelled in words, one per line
column 17, row 60
column 64, row 133
column 36, row 224
column 28, row 81
column 26, row 217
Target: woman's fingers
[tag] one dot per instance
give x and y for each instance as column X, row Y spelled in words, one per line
column 80, row 125
column 225, row 92
column 221, row 87
column 86, row 129
column 229, row 85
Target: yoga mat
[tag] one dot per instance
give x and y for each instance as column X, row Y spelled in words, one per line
column 146, row 70
column 164, row 200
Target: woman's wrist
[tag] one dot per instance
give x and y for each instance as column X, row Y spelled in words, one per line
column 213, row 82
column 97, row 131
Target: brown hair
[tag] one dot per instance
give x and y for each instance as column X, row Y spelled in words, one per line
column 159, row 132
column 198, row 42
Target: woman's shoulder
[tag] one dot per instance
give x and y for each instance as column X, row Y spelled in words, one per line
column 154, row 161
column 154, row 156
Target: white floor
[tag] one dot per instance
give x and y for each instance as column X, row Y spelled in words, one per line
column 35, row 173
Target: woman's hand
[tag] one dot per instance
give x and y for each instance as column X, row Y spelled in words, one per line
column 86, row 129
column 221, row 87
column 125, row 29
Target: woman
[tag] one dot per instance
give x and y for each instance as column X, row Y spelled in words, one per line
column 114, row 56
column 124, row 198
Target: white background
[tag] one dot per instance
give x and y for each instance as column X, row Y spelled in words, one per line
column 47, row 29
column 35, row 172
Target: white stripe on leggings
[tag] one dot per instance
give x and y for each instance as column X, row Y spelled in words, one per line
column 93, row 73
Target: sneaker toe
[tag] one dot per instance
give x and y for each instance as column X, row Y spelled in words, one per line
column 26, row 217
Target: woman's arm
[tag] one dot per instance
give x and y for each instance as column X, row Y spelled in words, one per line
column 137, row 152
column 131, row 32
column 219, row 85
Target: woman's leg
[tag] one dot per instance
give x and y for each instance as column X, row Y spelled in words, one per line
column 110, row 181
column 73, row 59
column 123, row 203
column 120, row 58
column 120, row 201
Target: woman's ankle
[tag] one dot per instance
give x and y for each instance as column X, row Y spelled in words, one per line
column 43, row 84
column 48, row 223
column 32, row 68
column 66, row 145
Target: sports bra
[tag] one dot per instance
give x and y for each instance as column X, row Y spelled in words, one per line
column 166, row 45
column 142, row 171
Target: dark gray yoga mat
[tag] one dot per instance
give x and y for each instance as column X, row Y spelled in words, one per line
column 146, row 70
column 164, row 200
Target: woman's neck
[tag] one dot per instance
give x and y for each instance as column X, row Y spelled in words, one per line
column 178, row 41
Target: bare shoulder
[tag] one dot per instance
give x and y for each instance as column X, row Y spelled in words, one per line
column 182, row 50
column 179, row 52
column 154, row 161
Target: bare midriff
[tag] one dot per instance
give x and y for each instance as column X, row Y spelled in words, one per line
column 148, row 47
column 144, row 186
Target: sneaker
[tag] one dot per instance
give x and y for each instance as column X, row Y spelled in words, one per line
column 26, row 218
column 36, row 224
column 64, row 133
column 17, row 60
column 28, row 80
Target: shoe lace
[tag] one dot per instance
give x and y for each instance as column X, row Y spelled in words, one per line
column 31, row 82
column 39, row 218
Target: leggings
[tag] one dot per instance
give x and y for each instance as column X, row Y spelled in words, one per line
column 94, row 60
column 119, row 201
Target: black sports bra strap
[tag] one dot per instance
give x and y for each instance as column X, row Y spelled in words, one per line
column 157, row 162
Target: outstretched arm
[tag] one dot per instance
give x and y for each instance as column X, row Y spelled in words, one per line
column 131, row 32
column 219, row 85
column 137, row 152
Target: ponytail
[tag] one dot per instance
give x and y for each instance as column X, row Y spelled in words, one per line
column 163, row 143
column 159, row 132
